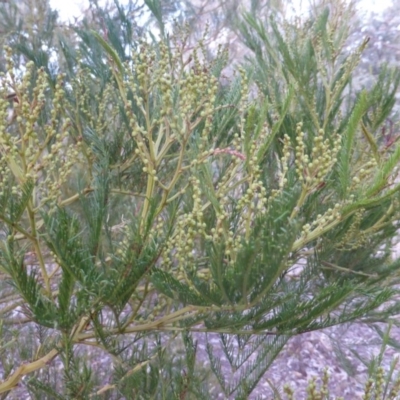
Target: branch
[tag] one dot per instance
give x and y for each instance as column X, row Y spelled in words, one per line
column 26, row 369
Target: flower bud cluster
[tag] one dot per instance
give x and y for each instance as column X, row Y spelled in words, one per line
column 250, row 192
column 348, row 66
column 284, row 166
column 34, row 152
column 364, row 174
column 181, row 97
column 94, row 105
column 8, row 145
column 5, row 176
column 160, row 304
column 354, row 237
column 168, row 102
column 144, row 75
column 82, row 88
column 108, row 115
column 145, row 66
column 164, row 81
column 190, row 226
column 322, row 221
column 125, row 242
column 60, row 158
column 59, row 164
column 313, row 168
column 198, row 90
column 254, row 199
column 222, row 232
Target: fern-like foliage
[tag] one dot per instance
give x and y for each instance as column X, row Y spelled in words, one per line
column 156, row 213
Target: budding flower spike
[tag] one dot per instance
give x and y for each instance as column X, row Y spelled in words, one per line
column 172, row 217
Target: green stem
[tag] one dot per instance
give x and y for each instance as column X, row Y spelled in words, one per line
column 37, row 248
column 300, row 201
column 146, row 204
column 17, row 227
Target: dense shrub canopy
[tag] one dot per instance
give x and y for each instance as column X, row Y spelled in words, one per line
column 147, row 195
